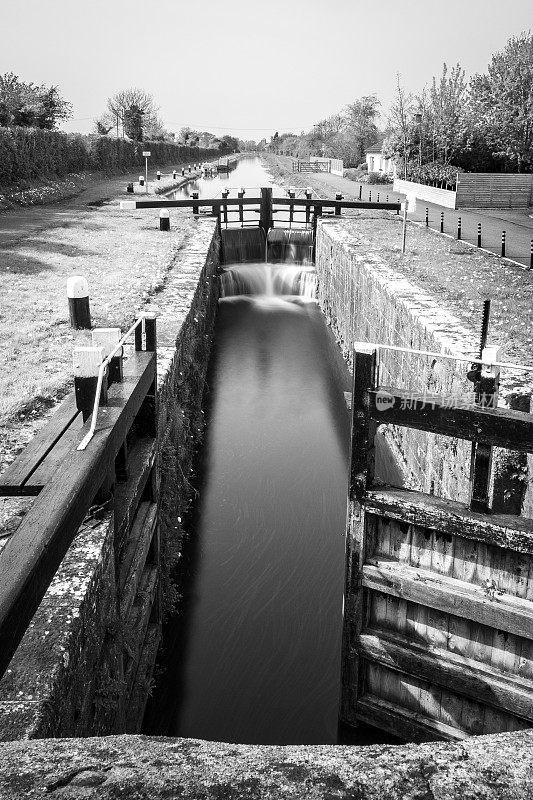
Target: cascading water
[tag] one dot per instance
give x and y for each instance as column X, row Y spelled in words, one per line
column 265, row 279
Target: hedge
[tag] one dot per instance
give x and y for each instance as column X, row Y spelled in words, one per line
column 31, row 153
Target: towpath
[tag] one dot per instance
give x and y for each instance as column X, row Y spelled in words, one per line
column 517, row 222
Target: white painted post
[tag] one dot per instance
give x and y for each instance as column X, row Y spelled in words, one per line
column 164, row 219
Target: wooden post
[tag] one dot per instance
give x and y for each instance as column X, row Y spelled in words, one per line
column 147, row 416
column 486, row 389
column 78, row 302
column 86, row 362
column 292, row 194
column 225, row 193
column 361, row 475
column 362, row 436
column 195, row 196
column 107, row 339
column 265, row 214
column 338, row 198
column 240, row 193
column 308, row 195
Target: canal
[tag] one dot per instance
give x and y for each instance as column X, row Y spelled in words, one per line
column 254, row 655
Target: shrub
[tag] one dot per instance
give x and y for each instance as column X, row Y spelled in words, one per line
column 27, row 154
column 378, row 177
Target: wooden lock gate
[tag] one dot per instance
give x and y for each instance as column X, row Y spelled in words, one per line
column 438, row 631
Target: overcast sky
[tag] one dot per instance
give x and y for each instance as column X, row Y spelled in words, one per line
column 245, row 67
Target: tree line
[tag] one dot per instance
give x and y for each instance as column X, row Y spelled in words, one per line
column 484, row 124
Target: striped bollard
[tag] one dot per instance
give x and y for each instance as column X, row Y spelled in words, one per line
column 442, row 221
column 370, row 197
column 531, row 256
column 78, row 302
column 458, row 227
column 479, row 234
column 174, row 175
column 387, row 199
column 141, row 180
column 182, row 171
column 164, row 219
column 377, row 198
column 158, row 173
column 427, row 217
column 190, row 168
column 338, row 197
column 503, row 244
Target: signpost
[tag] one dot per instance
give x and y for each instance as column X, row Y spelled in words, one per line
column 146, row 154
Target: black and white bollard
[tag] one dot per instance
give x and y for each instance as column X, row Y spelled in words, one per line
column 531, row 255
column 164, row 219
column 183, row 171
column 503, row 244
column 338, row 198
column 86, row 362
column 107, row 339
column 195, row 209
column 141, row 180
column 190, row 168
column 442, row 221
column 458, row 227
column 377, row 198
column 174, row 175
column 129, row 188
column 427, row 217
column 479, row 234
column 158, row 173
column 370, row 197
column 361, row 191
column 78, row 302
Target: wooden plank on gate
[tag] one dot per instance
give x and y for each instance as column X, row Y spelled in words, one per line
column 451, row 517
column 504, row 612
column 460, row 674
column 492, row 426
column 18, row 473
column 31, row 558
column 409, row 725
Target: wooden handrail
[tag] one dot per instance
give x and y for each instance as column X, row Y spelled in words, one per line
column 31, row 557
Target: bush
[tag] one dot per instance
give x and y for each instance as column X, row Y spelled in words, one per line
column 28, row 154
column 379, row 177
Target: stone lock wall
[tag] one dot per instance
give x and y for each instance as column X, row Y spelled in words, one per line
column 66, row 678
column 364, row 300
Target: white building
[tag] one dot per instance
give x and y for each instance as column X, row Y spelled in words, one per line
column 376, row 161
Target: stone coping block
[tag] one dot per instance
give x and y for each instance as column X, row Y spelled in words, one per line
column 496, row 767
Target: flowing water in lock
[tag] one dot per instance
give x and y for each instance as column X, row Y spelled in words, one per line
column 254, row 655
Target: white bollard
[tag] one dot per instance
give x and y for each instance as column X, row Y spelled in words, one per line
column 164, row 219
column 78, row 302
